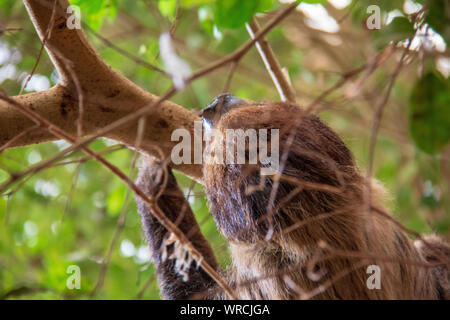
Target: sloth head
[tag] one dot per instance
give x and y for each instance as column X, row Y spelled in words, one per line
column 317, row 173
column 221, row 105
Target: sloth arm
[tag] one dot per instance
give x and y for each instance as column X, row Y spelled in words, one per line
column 197, row 284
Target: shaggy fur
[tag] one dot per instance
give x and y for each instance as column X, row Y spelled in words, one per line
column 322, row 239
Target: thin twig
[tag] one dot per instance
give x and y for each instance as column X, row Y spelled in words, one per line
column 47, row 35
column 279, row 78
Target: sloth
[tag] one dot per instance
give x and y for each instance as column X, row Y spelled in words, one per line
column 315, row 229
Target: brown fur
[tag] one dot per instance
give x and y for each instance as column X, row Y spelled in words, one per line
column 176, row 208
column 354, row 237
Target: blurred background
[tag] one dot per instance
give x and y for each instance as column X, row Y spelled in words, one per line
column 78, row 213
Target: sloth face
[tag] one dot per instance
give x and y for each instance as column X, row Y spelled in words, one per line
column 221, row 104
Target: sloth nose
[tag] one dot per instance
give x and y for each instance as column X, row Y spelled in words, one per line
column 219, row 106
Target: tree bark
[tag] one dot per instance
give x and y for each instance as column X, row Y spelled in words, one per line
column 106, row 95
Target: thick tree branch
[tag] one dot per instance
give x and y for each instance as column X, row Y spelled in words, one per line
column 107, row 95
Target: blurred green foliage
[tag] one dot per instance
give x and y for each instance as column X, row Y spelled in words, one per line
column 96, row 11
column 398, row 30
column 429, row 113
column 68, row 214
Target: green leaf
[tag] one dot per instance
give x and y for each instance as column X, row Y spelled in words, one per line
column 206, row 18
column 359, row 9
column 231, row 13
column 438, row 17
column 399, row 29
column 114, row 202
column 430, row 201
column 193, row 3
column 265, row 5
column 93, row 12
column 234, row 13
column 112, row 7
column 429, row 113
column 168, row 8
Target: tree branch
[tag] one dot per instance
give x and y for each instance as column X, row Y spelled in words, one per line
column 279, row 77
column 107, row 95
